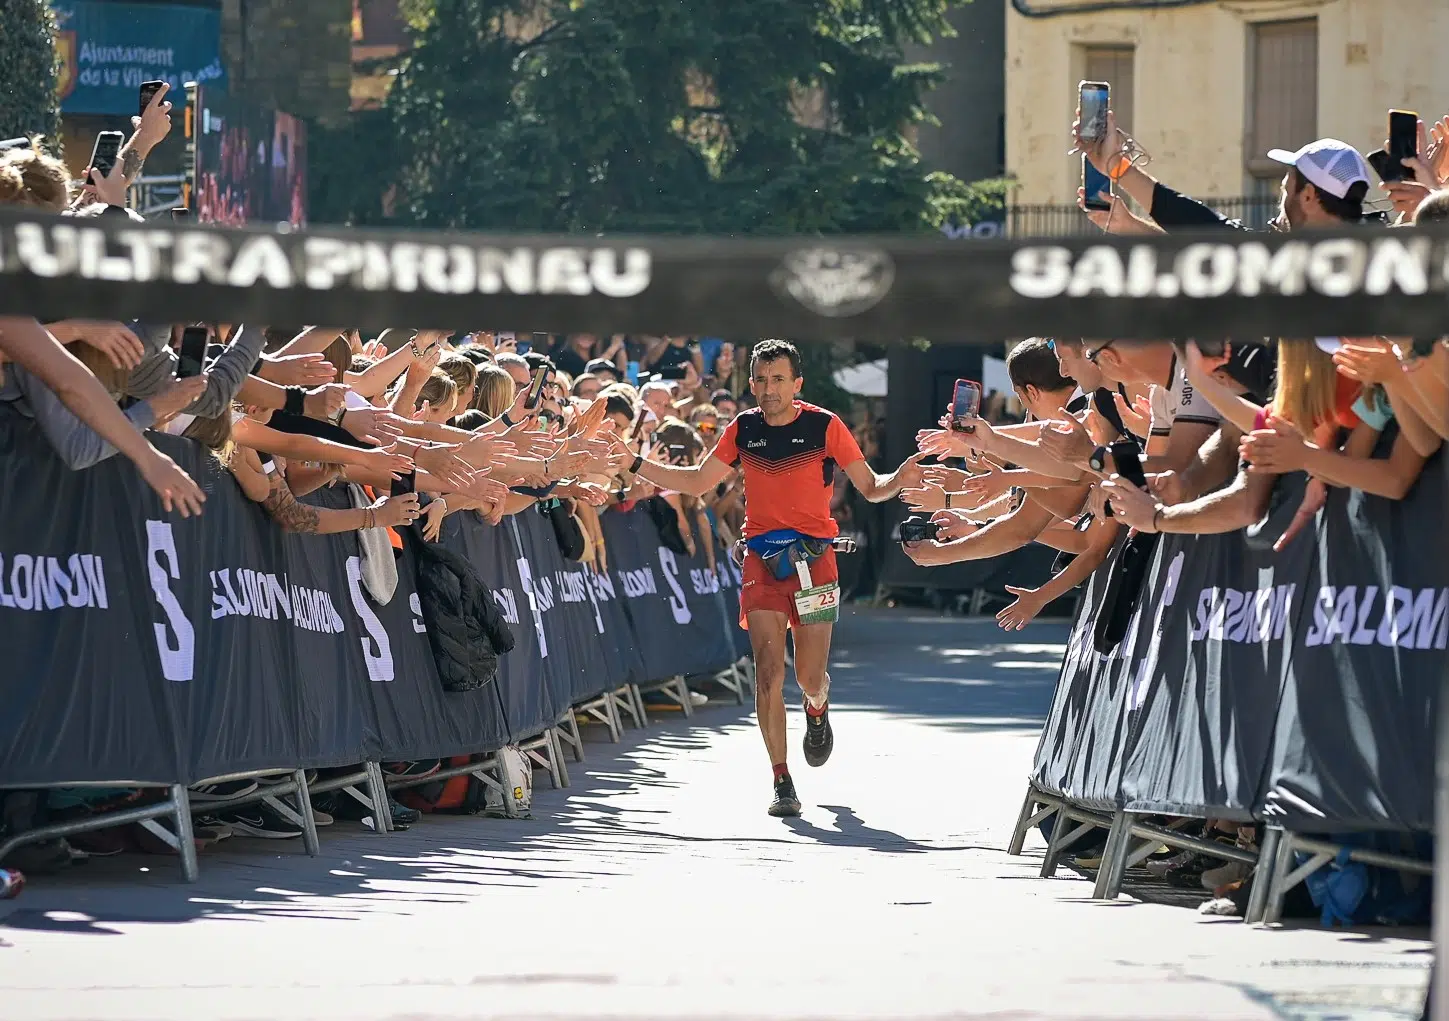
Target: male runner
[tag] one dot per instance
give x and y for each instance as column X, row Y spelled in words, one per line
column 789, row 451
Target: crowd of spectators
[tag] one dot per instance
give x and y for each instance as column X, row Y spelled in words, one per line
column 412, row 425
column 1220, row 428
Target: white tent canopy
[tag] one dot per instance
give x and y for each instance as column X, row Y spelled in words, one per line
column 865, row 380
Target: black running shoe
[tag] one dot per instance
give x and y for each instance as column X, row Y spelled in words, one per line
column 819, row 738
column 787, row 802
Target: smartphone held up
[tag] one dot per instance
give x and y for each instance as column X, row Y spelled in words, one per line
column 1093, row 100
column 535, row 387
column 1096, row 188
column 104, row 154
column 965, row 406
column 192, row 358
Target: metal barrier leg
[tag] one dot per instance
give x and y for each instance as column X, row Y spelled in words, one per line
column 682, row 695
column 739, row 676
column 640, row 707
column 377, row 794
column 1277, row 883
column 304, row 809
column 553, row 747
column 1023, row 821
column 616, row 722
column 1263, row 875
column 1114, row 857
column 1060, row 823
column 185, row 837
column 576, row 740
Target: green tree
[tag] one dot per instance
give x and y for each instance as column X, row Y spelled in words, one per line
column 28, row 104
column 741, row 116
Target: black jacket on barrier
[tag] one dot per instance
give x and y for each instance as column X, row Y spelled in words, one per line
column 465, row 629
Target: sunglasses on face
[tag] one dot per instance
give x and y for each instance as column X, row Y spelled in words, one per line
column 1091, row 356
column 707, row 427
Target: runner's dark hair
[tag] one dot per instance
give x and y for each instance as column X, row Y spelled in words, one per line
column 772, row 350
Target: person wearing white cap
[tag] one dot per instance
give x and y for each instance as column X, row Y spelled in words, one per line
column 1326, row 185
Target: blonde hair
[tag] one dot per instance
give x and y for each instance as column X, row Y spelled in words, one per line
column 439, row 391
column 28, row 177
column 495, row 393
column 460, row 370
column 1307, row 385
column 215, row 435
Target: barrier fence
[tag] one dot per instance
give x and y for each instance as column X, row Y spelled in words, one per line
column 156, row 651
column 1300, row 689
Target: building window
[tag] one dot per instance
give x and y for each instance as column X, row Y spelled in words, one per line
column 1282, row 91
column 1113, row 65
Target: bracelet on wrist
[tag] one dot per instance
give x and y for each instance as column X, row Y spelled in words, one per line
column 948, row 501
column 508, row 422
column 296, row 403
column 638, row 463
column 1157, row 519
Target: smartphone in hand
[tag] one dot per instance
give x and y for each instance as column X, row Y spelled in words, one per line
column 965, row 406
column 535, row 388
column 1096, row 188
column 1093, row 98
column 193, row 352
column 105, row 153
column 1403, row 142
column 148, row 93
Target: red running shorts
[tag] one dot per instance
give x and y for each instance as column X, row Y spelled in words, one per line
column 763, row 591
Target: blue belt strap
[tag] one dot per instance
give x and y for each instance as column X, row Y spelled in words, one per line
column 779, row 549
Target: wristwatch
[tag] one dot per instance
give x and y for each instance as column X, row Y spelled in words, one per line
column 638, row 463
column 1097, row 460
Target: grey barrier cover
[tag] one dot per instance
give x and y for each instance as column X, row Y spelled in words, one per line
column 140, row 646
column 1299, row 686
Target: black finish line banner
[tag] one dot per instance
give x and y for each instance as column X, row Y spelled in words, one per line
column 1225, row 283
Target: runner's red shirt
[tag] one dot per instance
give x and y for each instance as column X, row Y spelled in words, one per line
column 789, row 469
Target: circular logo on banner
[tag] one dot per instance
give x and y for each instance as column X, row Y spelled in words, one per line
column 835, row 282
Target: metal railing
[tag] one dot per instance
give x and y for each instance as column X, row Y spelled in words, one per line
column 152, row 196
column 1068, row 221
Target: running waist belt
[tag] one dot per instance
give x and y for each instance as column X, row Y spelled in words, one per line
column 783, row 548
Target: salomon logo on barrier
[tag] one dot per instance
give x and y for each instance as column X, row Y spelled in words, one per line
column 1400, row 618
column 835, row 282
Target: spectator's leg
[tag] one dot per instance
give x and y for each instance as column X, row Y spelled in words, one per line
column 767, row 638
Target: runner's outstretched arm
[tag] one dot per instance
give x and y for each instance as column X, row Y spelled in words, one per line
column 693, row 480
column 880, row 488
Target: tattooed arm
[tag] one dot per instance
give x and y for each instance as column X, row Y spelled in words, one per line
column 283, row 507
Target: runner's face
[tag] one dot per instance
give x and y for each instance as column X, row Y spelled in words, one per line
column 774, row 385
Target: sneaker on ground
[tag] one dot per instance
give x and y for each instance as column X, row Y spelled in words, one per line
column 787, row 802
column 1225, row 875
column 402, row 816
column 321, row 818
column 223, row 791
column 1160, row 867
column 697, row 699
column 210, row 828
column 423, row 767
column 819, row 738
column 261, row 822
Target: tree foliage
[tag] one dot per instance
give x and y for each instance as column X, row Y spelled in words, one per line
column 28, row 103
column 679, row 116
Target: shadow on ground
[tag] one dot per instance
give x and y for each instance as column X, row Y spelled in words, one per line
column 957, row 673
column 966, row 674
